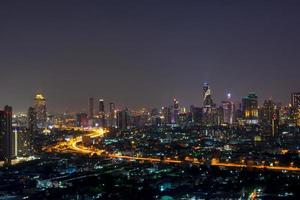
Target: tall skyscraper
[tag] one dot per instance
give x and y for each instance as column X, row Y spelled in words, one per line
column 207, row 98
column 101, row 106
column 176, row 110
column 295, row 100
column 267, row 112
column 250, row 108
column 295, row 109
column 41, row 111
column 91, row 108
column 123, row 119
column 32, row 128
column 7, row 138
column 112, row 115
column 102, row 113
column 228, row 110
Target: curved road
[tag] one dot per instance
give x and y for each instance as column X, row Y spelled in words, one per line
column 73, row 144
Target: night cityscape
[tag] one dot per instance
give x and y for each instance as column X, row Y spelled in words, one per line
column 188, row 100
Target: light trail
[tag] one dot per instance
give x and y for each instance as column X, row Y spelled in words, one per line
column 73, row 146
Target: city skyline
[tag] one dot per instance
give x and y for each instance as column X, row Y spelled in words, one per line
column 96, row 99
column 150, row 100
column 120, row 51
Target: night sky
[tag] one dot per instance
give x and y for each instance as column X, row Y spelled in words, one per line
column 143, row 53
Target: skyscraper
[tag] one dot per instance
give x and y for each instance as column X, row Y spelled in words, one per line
column 295, row 109
column 102, row 113
column 250, row 108
column 101, row 106
column 207, row 99
column 228, row 110
column 295, row 100
column 41, row 111
column 112, row 115
column 91, row 108
column 7, row 148
column 123, row 119
column 32, row 128
column 267, row 112
column 176, row 110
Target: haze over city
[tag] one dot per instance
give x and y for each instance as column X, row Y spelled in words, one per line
column 142, row 54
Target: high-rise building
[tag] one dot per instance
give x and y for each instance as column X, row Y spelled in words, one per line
column 91, row 108
column 267, row 112
column 207, row 98
column 41, row 111
column 196, row 114
column 123, row 119
column 112, row 115
column 176, row 110
column 228, row 110
column 31, row 128
column 166, row 115
column 7, row 138
column 270, row 117
column 101, row 106
column 250, row 109
column 102, row 113
column 295, row 100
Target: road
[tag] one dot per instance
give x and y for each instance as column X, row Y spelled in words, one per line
column 74, row 145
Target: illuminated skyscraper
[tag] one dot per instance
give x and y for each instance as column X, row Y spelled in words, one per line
column 176, row 110
column 228, row 110
column 41, row 111
column 207, row 99
column 7, row 138
column 91, row 108
column 250, row 108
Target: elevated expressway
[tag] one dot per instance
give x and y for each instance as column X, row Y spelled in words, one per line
column 75, row 145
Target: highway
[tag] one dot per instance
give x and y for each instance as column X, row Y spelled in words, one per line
column 73, row 145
